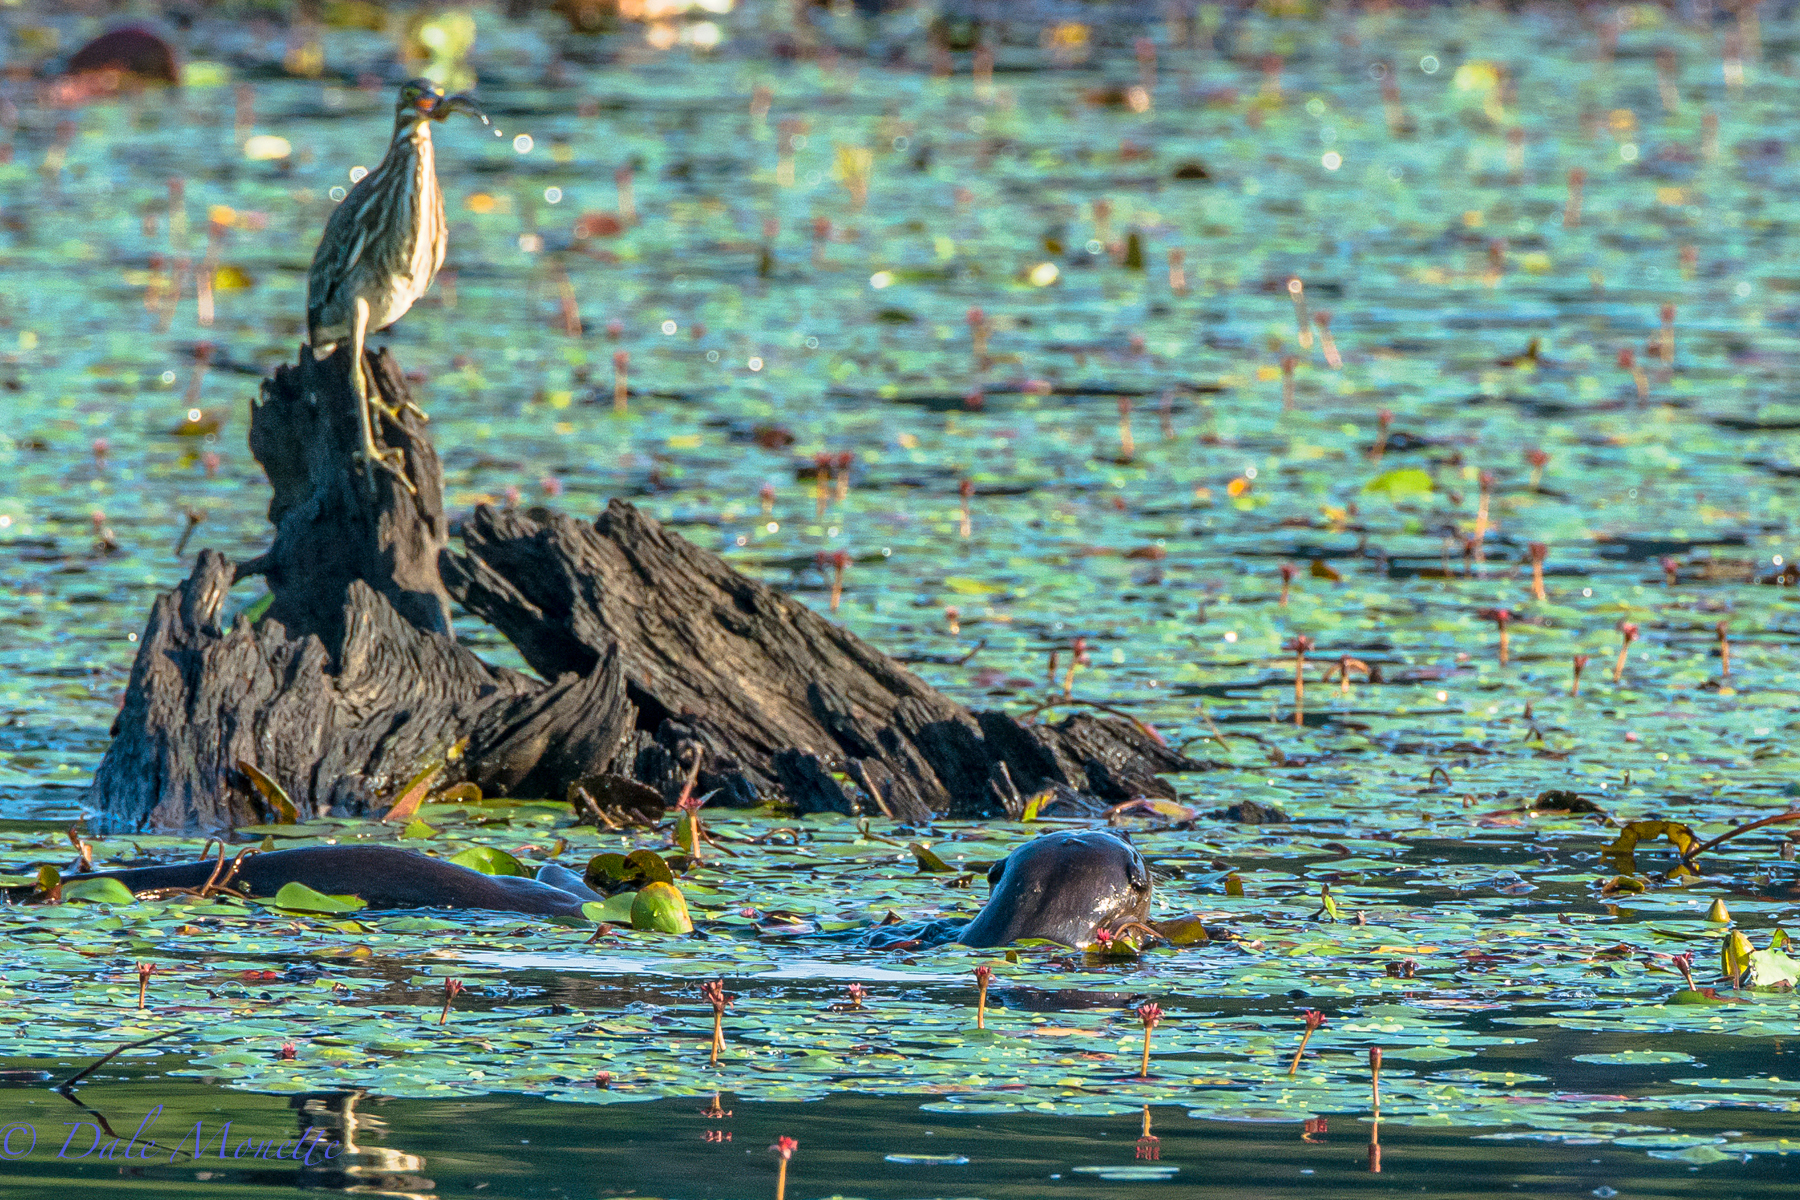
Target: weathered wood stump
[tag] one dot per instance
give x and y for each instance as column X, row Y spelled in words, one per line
column 663, row 662
column 777, row 697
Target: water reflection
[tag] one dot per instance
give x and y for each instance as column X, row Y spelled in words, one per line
column 363, row 1167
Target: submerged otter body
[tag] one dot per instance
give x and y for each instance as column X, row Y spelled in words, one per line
column 384, row 876
column 1060, row 887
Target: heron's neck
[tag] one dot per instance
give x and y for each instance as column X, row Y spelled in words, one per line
column 412, row 135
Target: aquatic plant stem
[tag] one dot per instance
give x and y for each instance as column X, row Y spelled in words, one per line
column 452, row 987
column 983, row 973
column 689, row 806
column 1333, row 359
column 785, row 1147
column 1628, row 632
column 1375, row 1078
column 1578, row 662
column 966, row 489
column 1502, row 618
column 1300, row 645
column 1628, row 360
column 1384, row 421
column 839, row 562
column 978, row 338
column 1077, row 659
column 1479, row 540
column 1314, row 1019
column 1297, row 290
column 622, row 180
column 713, row 992
column 1572, row 207
column 144, row 971
column 1724, row 650
column 621, row 391
column 1127, row 445
column 1149, row 1014
column 1538, row 551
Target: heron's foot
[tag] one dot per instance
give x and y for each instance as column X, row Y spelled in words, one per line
column 393, row 412
column 394, row 461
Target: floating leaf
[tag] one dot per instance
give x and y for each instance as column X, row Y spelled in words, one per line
column 1036, row 803
column 1620, row 852
column 1403, row 484
column 660, row 908
column 1734, row 955
column 1183, row 931
column 297, row 897
column 285, row 812
column 103, row 891
column 928, row 859
column 413, row 795
column 490, row 860
column 964, row 586
column 614, row 910
column 1768, row 968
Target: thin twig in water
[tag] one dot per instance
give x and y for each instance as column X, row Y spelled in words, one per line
column 1217, row 736
column 102, row 1061
column 1793, row 814
column 1035, row 709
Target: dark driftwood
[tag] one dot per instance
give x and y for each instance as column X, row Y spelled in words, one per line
column 778, row 697
column 666, row 664
column 335, row 519
column 349, row 685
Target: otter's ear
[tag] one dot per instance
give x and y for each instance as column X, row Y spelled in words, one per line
column 1137, row 871
column 994, row 873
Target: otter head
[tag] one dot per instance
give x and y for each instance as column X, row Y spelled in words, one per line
column 1062, row 887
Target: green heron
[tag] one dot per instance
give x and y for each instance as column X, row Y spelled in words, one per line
column 383, row 245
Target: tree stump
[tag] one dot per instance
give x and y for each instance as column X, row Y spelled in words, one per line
column 664, row 664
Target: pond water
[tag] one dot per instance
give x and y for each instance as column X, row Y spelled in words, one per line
column 791, row 269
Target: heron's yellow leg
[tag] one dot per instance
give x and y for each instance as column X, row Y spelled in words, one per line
column 394, row 459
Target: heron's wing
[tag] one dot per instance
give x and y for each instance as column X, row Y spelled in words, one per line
column 346, row 238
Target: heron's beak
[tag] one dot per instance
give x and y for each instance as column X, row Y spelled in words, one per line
column 461, row 102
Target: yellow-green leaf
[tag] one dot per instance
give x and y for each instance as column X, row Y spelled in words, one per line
column 413, row 795
column 1037, row 802
column 1619, row 853
column 1183, row 931
column 1734, row 955
column 285, row 812
column 660, row 908
column 297, row 897
column 490, row 860
column 962, row 585
column 614, row 910
column 1768, row 968
column 98, row 890
column 928, row 859
column 1401, row 484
